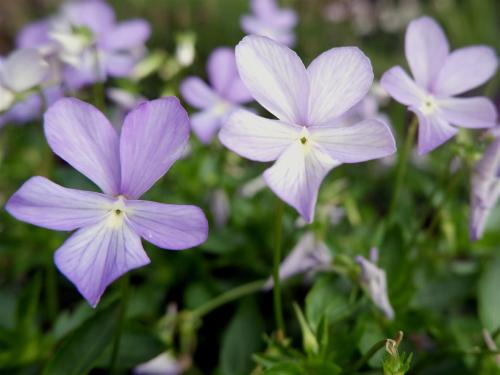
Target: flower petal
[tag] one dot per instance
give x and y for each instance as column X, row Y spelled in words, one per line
column 197, row 93
column 24, row 69
column 257, row 138
column 205, row 124
column 478, row 112
column 426, row 49
column 126, row 35
column 366, row 140
column 119, row 64
column 97, row 15
column 34, row 35
column 340, row 78
column 95, row 256
column 81, row 135
column 169, row 226
column 45, row 204
column 297, row 175
column 275, row 76
column 465, row 69
column 153, row 137
column 433, row 131
column 401, row 87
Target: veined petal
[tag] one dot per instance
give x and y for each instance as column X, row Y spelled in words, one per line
column 197, row 93
column 478, row 112
column 81, row 135
column 257, row 138
column 297, row 175
column 433, row 131
column 465, row 69
column 275, row 76
column 153, row 137
column 426, row 49
column 366, row 140
column 169, row 226
column 339, row 78
column 45, row 204
column 401, row 87
column 24, row 69
column 95, row 256
column 126, row 35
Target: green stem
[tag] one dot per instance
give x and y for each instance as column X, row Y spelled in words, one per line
column 51, row 291
column 98, row 88
column 370, row 353
column 125, row 291
column 278, row 308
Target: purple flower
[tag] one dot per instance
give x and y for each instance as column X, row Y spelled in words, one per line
column 109, row 226
column 485, row 189
column 226, row 93
column 270, row 21
column 306, row 141
column 438, row 77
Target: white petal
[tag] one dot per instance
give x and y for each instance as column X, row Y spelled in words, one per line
column 24, row 69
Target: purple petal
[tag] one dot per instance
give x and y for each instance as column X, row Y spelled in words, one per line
column 97, row 15
column 297, row 175
column 433, row 131
column 119, row 64
column 95, row 256
column 257, row 138
column 478, row 112
column 205, row 124
column 465, row 69
column 45, row 204
column 169, row 226
column 340, row 78
column 34, row 35
column 197, row 93
column 401, row 87
column 81, row 135
column 366, row 140
column 153, row 137
column 426, row 50
column 268, row 11
column 275, row 76
column 126, row 35
column 256, row 26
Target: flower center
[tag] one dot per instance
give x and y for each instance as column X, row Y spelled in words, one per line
column 305, row 139
column 117, row 213
column 429, row 105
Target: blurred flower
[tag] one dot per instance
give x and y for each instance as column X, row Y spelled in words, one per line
column 308, row 255
column 217, row 102
column 375, row 283
column 305, row 142
column 109, row 226
column 220, row 207
column 164, row 364
column 184, row 50
column 438, row 77
column 267, row 19
column 252, row 187
column 485, row 189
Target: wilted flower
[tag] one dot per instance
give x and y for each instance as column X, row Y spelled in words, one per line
column 438, row 77
column 110, row 226
column 226, row 93
column 485, row 189
column 306, row 141
column 267, row 19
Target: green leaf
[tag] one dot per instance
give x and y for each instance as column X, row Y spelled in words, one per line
column 489, row 296
column 285, row 369
column 321, row 368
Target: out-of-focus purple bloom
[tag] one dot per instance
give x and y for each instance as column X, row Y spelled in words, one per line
column 308, row 255
column 224, row 95
column 267, row 19
column 220, row 208
column 485, row 189
column 306, row 141
column 36, row 35
column 438, row 77
column 110, row 225
column 374, row 281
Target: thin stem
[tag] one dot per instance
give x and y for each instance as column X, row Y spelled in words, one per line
column 98, row 88
column 370, row 353
column 278, row 308
column 125, row 291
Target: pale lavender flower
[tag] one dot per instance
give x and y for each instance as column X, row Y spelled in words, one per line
column 163, row 364
column 109, row 225
column 485, row 189
column 267, row 19
column 224, row 95
column 438, row 77
column 306, row 142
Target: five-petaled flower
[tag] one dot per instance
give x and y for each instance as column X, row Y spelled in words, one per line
column 308, row 140
column 438, row 77
column 109, row 226
column 226, row 94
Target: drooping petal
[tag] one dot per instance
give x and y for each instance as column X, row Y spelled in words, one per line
column 433, row 131
column 339, row 78
column 45, row 204
column 81, row 135
column 24, row 69
column 426, row 49
column 401, row 87
column 96, row 15
column 197, row 93
column 478, row 112
column 257, row 138
column 95, row 256
column 153, row 137
column 366, row 140
column 205, row 124
column 169, row 226
column 297, row 175
column 275, row 76
column 465, row 69
column 126, row 35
